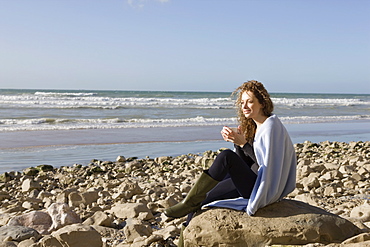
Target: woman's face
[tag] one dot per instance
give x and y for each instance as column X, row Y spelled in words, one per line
column 250, row 105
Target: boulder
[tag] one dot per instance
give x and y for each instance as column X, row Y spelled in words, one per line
column 363, row 239
column 287, row 222
column 72, row 236
column 62, row 215
column 9, row 244
column 17, row 233
column 38, row 220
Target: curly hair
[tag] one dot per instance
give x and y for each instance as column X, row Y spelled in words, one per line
column 248, row 126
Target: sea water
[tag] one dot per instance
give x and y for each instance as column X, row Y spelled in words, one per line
column 63, row 127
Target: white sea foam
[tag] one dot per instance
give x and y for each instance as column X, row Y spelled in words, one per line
column 38, row 110
column 88, row 100
column 304, row 102
column 69, row 124
column 63, row 94
column 32, row 101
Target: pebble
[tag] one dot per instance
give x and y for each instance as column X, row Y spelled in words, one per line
column 128, row 195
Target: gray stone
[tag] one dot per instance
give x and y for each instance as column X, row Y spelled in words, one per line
column 100, row 219
column 89, row 197
column 135, row 229
column 285, row 222
column 62, row 215
column 17, row 233
column 361, row 212
column 129, row 210
column 9, row 244
column 121, row 159
column 4, row 195
column 29, row 184
column 76, row 235
column 38, row 220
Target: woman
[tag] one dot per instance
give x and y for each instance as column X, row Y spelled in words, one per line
column 262, row 169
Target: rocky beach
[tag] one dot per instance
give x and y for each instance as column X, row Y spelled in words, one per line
column 120, row 203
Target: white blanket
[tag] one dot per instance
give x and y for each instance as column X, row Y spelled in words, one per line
column 277, row 168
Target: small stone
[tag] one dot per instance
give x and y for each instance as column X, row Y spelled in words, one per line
column 121, row 159
column 361, row 212
column 45, row 168
column 4, row 195
column 5, row 177
column 136, row 229
column 129, row 210
column 31, row 171
column 30, row 184
column 100, row 219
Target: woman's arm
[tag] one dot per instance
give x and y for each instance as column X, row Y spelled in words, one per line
column 246, row 152
column 235, row 137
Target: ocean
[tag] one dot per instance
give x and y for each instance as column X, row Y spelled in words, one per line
column 64, row 127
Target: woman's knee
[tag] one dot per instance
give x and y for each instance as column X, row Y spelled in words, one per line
column 227, row 154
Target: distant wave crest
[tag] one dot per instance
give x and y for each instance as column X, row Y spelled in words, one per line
column 63, row 94
column 90, row 100
column 69, row 124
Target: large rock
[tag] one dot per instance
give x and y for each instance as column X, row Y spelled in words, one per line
column 17, row 233
column 76, row 235
column 38, row 220
column 284, row 222
column 62, row 215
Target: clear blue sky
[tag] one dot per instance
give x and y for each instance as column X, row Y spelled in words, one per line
column 191, row 45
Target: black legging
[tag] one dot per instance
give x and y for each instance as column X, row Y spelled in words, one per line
column 233, row 170
column 235, row 176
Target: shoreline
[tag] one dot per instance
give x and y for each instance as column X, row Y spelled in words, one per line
column 315, row 132
column 109, row 136
column 20, row 150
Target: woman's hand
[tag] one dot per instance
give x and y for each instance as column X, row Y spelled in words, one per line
column 233, row 135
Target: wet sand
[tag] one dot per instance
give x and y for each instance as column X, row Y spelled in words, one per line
column 315, row 132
